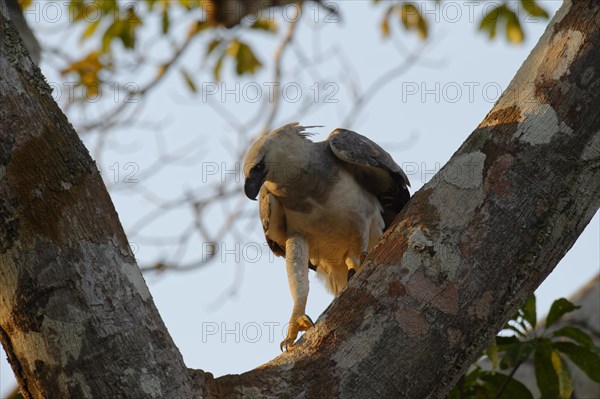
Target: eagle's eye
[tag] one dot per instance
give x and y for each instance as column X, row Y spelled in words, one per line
column 260, row 166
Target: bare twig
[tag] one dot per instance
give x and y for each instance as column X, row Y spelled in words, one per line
column 277, row 74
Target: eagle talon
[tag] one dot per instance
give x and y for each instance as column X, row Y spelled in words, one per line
column 286, row 344
column 300, row 323
column 351, row 273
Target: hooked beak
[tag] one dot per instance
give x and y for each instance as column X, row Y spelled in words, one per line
column 253, row 184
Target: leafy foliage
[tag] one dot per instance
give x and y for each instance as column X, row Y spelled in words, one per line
column 88, row 71
column 110, row 26
column 410, row 17
column 501, row 16
column 547, row 351
column 485, row 384
column 558, row 309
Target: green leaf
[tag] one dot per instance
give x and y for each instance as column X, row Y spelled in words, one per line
column 89, row 31
column 165, row 21
column 558, row 309
column 575, row 334
column 385, row 22
column 246, row 60
column 24, row 4
column 469, row 385
column 534, row 9
column 505, row 342
column 127, row 38
column 586, row 359
column 264, row 25
column 547, row 380
column 233, row 48
column 454, row 393
column 492, row 353
column 128, row 28
column 76, row 10
column 199, row 26
column 413, row 20
column 514, row 31
column 113, row 30
column 529, row 312
column 565, row 382
column 489, row 22
column 518, row 353
column 513, row 389
column 187, row 4
column 108, row 6
column 385, row 27
column 189, row 81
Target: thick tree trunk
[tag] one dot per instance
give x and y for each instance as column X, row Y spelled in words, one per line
column 77, row 319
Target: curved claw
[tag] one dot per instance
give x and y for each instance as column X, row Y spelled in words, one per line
column 351, row 273
column 286, row 344
column 300, row 323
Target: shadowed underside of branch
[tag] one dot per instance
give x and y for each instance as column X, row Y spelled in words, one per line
column 77, row 320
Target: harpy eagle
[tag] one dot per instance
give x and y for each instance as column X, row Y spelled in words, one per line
column 322, row 205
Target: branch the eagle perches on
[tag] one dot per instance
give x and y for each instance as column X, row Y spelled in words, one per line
column 77, row 319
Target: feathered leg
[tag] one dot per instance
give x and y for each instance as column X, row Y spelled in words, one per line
column 296, row 251
column 355, row 260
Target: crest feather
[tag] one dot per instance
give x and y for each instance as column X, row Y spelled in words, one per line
column 296, row 128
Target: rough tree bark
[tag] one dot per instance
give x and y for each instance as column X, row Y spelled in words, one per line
column 76, row 317
column 77, row 320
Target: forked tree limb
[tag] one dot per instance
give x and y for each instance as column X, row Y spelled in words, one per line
column 77, row 320
column 471, row 245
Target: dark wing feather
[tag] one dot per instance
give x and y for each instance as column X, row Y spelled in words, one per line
column 373, row 168
column 273, row 221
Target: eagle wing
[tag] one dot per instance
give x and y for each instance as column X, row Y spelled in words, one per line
column 272, row 218
column 373, row 168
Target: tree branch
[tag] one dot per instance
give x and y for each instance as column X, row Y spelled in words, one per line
column 471, row 245
column 77, row 319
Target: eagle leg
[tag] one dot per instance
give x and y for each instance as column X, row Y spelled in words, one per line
column 354, row 263
column 300, row 323
column 296, row 250
column 357, row 254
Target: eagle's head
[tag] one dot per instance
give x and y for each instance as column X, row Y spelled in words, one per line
column 255, row 167
column 275, row 150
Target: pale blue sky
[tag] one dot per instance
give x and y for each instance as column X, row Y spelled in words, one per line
column 421, row 117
